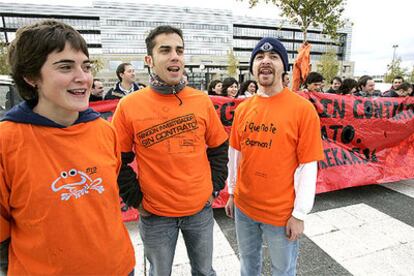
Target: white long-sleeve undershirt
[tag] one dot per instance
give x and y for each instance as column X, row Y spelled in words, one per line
column 304, row 183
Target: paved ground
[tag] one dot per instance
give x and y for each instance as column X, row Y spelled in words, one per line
column 358, row 231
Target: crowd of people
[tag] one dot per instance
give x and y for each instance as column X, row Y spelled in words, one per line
column 363, row 87
column 63, row 168
column 230, row 87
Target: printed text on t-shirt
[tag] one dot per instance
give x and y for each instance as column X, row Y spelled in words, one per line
column 253, row 127
column 168, row 129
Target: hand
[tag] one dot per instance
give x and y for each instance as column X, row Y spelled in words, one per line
column 294, row 228
column 143, row 212
column 230, row 207
column 211, row 199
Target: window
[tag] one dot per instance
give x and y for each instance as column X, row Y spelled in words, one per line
column 113, row 64
column 138, row 64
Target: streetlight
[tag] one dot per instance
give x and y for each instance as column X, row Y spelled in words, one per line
column 395, row 46
column 202, row 67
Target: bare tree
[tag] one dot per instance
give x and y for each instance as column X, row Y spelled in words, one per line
column 328, row 65
column 4, row 66
column 233, row 64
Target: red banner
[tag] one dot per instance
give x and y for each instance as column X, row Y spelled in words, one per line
column 366, row 140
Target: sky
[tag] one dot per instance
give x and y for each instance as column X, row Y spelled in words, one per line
column 377, row 26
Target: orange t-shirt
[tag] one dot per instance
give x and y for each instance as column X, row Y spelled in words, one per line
column 170, row 141
column 59, row 200
column 274, row 135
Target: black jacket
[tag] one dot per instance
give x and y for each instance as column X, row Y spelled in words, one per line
column 117, row 92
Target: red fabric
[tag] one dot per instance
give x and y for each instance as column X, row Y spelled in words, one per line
column 381, row 128
column 104, row 106
column 301, row 67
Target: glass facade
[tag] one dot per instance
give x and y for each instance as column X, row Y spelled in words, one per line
column 112, row 31
column 247, row 32
column 88, row 27
column 153, row 24
column 16, row 22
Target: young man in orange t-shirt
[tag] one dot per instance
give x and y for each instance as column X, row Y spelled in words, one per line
column 275, row 142
column 181, row 156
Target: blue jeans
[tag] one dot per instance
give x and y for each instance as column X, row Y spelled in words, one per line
column 250, row 233
column 159, row 235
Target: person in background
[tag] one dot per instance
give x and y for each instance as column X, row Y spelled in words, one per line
column 97, row 91
column 313, row 82
column 59, row 162
column 335, row 84
column 396, row 82
column 230, row 87
column 366, row 87
column 215, row 88
column 348, row 87
column 180, row 148
column 248, row 88
column 403, row 90
column 126, row 84
column 285, row 79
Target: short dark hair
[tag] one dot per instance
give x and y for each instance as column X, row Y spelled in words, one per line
column 337, row 79
column 29, row 51
column 362, row 81
column 164, row 29
column 347, row 86
column 93, row 83
column 405, row 86
column 398, row 78
column 211, row 86
column 227, row 82
column 121, row 69
column 312, row 78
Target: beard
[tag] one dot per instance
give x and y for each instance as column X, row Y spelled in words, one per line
column 266, row 80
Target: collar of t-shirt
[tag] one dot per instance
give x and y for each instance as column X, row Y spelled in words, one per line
column 132, row 89
column 264, row 95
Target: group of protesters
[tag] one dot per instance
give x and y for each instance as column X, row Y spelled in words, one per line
column 363, row 87
column 315, row 82
column 63, row 167
column 230, row 87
